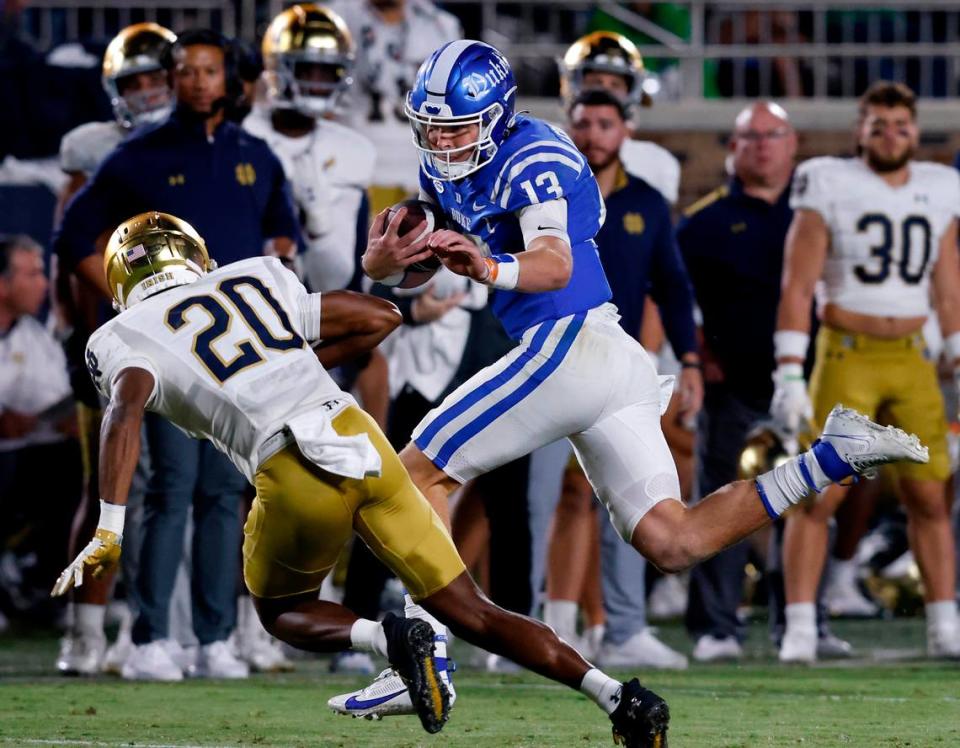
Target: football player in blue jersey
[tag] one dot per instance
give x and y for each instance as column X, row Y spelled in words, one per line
column 528, row 208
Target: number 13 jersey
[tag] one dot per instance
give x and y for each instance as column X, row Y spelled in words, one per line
column 884, row 240
column 230, row 355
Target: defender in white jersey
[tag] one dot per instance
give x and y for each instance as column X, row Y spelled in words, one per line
column 309, row 56
column 237, row 356
column 875, row 239
column 136, row 83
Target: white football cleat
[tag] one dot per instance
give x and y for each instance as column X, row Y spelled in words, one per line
column 863, row 445
column 218, row 660
column 668, row 598
column 831, row 646
column 358, row 663
column 844, row 599
column 943, row 642
column 117, row 653
column 642, row 649
column 712, row 649
column 151, row 662
column 799, row 645
column 387, row 696
column 81, row 655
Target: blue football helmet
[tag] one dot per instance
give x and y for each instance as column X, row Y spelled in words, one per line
column 464, row 82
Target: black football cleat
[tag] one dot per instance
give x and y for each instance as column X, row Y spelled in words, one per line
column 410, row 651
column 641, row 718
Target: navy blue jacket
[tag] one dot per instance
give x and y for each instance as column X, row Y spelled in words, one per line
column 732, row 244
column 230, row 188
column 639, row 255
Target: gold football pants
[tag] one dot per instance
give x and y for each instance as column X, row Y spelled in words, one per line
column 892, row 378
column 303, row 516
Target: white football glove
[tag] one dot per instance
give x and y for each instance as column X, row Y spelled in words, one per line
column 791, row 406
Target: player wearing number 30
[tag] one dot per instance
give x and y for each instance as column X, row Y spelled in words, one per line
column 878, row 234
column 526, row 192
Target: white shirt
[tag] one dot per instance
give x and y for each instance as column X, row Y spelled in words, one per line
column 884, row 241
column 654, row 164
column 231, row 358
column 426, row 357
column 388, row 56
column 329, row 170
column 84, row 147
column 33, row 377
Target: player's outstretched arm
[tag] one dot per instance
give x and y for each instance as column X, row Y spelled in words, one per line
column 804, row 256
column 352, row 324
column 119, row 452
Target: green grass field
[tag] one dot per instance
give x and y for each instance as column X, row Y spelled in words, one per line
column 887, row 697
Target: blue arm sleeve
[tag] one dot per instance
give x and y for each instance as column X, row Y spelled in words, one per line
column 670, row 287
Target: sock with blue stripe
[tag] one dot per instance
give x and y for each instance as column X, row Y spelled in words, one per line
column 412, row 610
column 793, row 481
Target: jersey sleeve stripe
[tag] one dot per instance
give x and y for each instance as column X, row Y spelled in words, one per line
column 545, row 158
column 559, row 145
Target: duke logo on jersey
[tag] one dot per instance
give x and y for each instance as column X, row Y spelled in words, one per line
column 516, row 161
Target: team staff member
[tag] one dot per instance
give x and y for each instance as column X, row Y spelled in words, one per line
column 732, row 243
column 229, row 184
column 640, row 257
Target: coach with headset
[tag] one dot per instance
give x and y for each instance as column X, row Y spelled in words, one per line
column 201, row 166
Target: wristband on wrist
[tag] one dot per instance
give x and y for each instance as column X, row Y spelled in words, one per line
column 951, row 346
column 691, row 365
column 111, row 517
column 789, row 373
column 793, row 343
column 503, row 271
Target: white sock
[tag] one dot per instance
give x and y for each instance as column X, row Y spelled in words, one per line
column 88, row 619
column 790, row 483
column 412, row 610
column 941, row 614
column 844, row 572
column 561, row 616
column 801, row 616
column 603, row 690
column 368, row 636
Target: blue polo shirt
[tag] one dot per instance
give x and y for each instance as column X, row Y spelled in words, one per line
column 231, row 188
column 732, row 244
column 639, row 255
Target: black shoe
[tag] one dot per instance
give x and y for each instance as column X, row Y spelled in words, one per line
column 640, row 720
column 410, row 651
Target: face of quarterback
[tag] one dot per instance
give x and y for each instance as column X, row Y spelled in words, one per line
column 612, row 82
column 455, row 138
column 145, row 92
column 199, row 77
column 23, row 287
column 598, row 131
column 888, row 137
column 764, row 145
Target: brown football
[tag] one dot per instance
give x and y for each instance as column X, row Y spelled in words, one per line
column 418, row 213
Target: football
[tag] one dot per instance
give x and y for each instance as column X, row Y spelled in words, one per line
column 418, row 213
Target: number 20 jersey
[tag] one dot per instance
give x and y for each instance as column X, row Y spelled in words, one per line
column 536, row 163
column 884, row 240
column 230, row 355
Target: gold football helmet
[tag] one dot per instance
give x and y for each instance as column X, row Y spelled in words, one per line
column 603, row 52
column 308, row 56
column 137, row 49
column 152, row 252
column 767, row 447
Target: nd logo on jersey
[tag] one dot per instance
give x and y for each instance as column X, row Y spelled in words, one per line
column 246, row 175
column 633, row 223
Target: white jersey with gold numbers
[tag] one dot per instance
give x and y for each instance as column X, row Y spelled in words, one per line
column 232, row 362
column 329, row 170
column 884, row 240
